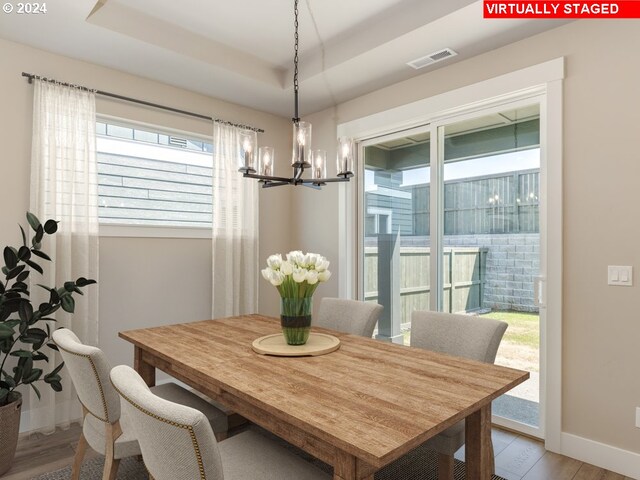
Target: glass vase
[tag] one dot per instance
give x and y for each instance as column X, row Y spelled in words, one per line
column 295, row 318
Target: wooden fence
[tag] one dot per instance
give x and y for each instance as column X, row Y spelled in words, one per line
column 464, row 278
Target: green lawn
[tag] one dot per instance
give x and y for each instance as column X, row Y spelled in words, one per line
column 523, row 327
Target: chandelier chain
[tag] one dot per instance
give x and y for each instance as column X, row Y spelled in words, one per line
column 296, row 117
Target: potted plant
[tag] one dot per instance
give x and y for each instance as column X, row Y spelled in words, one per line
column 296, row 278
column 25, row 330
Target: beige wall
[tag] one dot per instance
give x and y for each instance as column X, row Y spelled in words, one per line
column 601, row 325
column 143, row 281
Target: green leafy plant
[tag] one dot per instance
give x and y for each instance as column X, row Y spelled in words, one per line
column 24, row 329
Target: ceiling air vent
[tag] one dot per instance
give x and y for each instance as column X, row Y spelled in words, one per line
column 432, row 58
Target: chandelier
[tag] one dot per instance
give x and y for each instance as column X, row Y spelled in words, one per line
column 302, row 156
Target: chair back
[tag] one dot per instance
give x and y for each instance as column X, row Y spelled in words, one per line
column 89, row 370
column 348, row 316
column 472, row 337
column 176, row 441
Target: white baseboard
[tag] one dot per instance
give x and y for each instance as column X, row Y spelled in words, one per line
column 601, row 455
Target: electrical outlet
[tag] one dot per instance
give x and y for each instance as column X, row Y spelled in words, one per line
column 638, row 417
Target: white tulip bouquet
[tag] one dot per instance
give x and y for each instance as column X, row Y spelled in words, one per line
column 296, row 277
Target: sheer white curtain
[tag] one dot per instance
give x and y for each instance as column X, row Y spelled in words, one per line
column 235, row 229
column 64, row 186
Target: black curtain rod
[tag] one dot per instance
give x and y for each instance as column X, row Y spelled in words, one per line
column 31, row 76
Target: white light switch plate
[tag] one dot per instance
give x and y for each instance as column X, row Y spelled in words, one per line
column 638, row 417
column 620, row 275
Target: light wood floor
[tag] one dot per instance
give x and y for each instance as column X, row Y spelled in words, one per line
column 517, row 458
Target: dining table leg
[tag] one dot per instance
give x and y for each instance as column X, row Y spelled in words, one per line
column 144, row 369
column 348, row 467
column 478, row 446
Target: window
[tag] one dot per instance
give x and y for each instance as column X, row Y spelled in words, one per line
column 149, row 177
column 378, row 220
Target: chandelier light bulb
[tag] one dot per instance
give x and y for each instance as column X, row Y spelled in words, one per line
column 319, row 164
column 266, row 158
column 247, row 152
column 301, row 144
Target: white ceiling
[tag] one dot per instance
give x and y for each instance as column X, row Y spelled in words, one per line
column 242, row 51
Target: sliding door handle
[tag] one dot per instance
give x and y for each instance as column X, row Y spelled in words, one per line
column 539, row 291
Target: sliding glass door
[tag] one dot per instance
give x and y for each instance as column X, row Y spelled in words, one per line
column 491, row 238
column 450, row 222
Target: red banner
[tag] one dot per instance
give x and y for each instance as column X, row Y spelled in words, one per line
column 544, row 9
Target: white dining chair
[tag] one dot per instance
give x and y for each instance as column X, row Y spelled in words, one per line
column 104, row 428
column 472, row 337
column 348, row 316
column 177, row 442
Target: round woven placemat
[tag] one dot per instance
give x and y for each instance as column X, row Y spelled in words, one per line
column 275, row 344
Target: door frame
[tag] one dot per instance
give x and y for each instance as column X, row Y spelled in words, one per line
column 543, row 80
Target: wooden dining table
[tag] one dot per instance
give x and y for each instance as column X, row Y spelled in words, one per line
column 358, row 408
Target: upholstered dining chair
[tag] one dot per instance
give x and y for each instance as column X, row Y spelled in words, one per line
column 177, row 442
column 348, row 316
column 472, row 337
column 104, row 428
